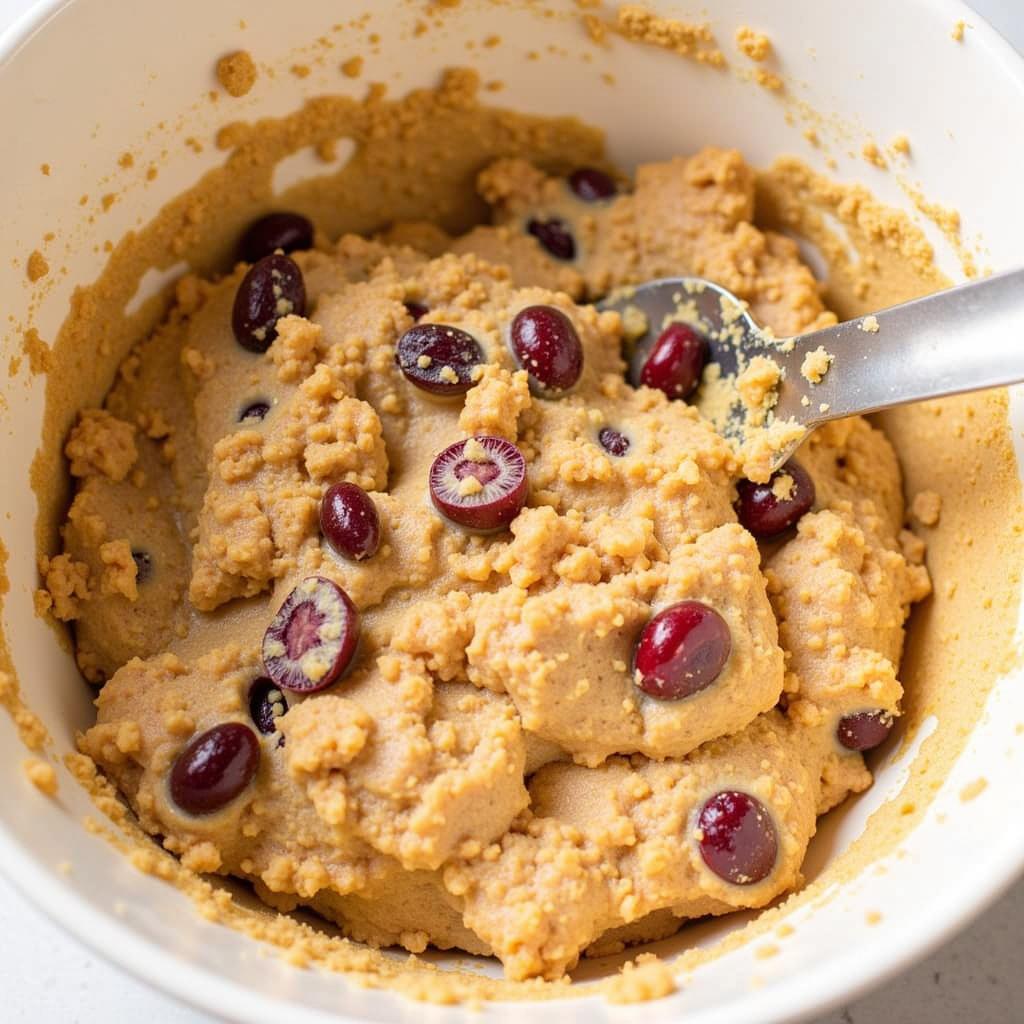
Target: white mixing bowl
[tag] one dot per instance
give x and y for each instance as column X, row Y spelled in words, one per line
column 81, row 82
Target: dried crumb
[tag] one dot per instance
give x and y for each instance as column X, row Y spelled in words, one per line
column 815, row 365
column 900, row 144
column 874, row 155
column 959, row 27
column 353, row 67
column 926, row 507
column 869, row 324
column 126, row 160
column 44, row 169
column 236, row 72
column 873, row 917
column 642, row 980
column 36, row 266
column 973, row 789
column 300, row 70
column 756, row 45
column 768, row 80
column 41, row 774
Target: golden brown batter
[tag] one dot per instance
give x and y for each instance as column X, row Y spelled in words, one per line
column 488, row 775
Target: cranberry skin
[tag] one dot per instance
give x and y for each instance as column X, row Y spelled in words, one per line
column 143, row 565
column 285, row 231
column 764, row 514
column 214, row 768
column 502, row 479
column 313, row 637
column 738, row 841
column 864, row 730
column 676, row 361
column 349, row 521
column 416, row 310
column 254, row 411
column 613, row 442
column 449, row 354
column 271, row 289
column 264, row 696
column 591, row 185
column 554, row 236
column 682, row 650
column 547, row 346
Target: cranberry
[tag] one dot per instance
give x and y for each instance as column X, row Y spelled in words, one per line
column 590, row 184
column 676, row 361
column 613, row 442
column 547, row 347
column 254, row 411
column 349, row 521
column 554, row 236
column 764, row 512
column 284, row 231
column 439, row 358
column 864, row 730
column 738, row 841
column 416, row 310
column 479, row 483
column 312, row 638
column 271, row 289
column 214, row 768
column 266, row 705
column 682, row 650
column 143, row 565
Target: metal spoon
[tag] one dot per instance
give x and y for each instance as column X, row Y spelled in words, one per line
column 962, row 339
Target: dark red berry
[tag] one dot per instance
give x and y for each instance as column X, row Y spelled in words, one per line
column 312, row 638
column 416, row 310
column 676, row 361
column 143, row 565
column 285, row 231
column 214, row 768
column 266, row 705
column 864, row 730
column 681, row 650
column 613, row 442
column 547, row 346
column 254, row 411
column 438, row 358
column 771, row 508
column 349, row 521
column 271, row 289
column 738, row 841
column 479, row 483
column 590, row 184
column 554, row 236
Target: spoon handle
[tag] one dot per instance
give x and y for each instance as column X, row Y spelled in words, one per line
column 962, row 339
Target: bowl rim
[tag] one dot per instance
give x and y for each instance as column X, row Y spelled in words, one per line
column 843, row 979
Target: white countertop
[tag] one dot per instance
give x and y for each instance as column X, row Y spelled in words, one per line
column 46, row 977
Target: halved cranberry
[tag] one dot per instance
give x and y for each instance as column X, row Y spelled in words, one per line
column 865, row 730
column 613, row 442
column 143, row 565
column 676, row 361
column 214, row 768
column 285, row 231
column 554, row 236
column 416, row 310
column 271, row 289
column 682, row 650
column 312, row 638
column 547, row 346
column 771, row 508
column 590, row 184
column 254, row 411
column 738, row 841
column 266, row 705
column 439, row 358
column 479, row 483
column 349, row 521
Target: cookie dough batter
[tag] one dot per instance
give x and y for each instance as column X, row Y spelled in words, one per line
column 490, row 772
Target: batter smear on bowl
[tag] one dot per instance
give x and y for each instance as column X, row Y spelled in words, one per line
column 409, row 608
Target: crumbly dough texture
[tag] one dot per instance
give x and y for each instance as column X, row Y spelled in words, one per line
column 488, row 777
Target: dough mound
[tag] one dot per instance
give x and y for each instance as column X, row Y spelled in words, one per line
column 488, row 777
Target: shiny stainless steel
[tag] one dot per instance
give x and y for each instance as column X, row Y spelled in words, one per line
column 962, row 339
